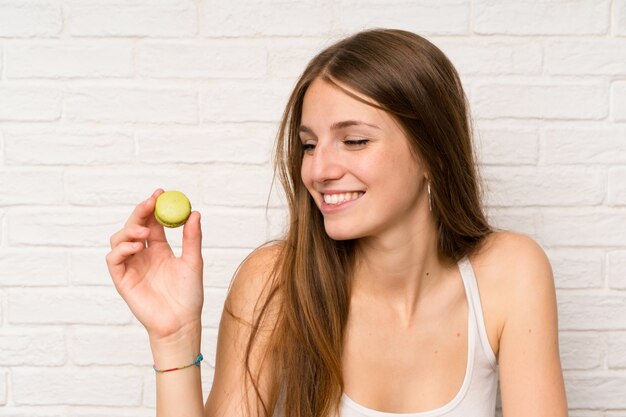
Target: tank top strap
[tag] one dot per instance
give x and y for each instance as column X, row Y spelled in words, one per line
column 475, row 307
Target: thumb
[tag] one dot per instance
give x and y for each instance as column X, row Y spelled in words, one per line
column 192, row 242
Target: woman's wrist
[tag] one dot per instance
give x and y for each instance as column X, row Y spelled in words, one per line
column 177, row 349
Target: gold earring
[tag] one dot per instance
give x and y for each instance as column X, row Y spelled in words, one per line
column 430, row 201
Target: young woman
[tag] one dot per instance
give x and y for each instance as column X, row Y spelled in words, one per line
column 389, row 294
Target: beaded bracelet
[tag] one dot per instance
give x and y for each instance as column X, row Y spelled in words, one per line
column 196, row 363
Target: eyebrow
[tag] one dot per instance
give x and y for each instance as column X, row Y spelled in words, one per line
column 339, row 125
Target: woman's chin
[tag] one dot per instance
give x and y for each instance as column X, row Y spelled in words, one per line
column 340, row 234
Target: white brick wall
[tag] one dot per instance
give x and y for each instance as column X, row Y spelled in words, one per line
column 101, row 101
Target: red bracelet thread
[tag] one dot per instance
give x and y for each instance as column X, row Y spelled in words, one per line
column 196, row 363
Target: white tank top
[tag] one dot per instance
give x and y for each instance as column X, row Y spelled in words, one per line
column 477, row 396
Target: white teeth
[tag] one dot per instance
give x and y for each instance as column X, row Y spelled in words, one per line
column 340, row 198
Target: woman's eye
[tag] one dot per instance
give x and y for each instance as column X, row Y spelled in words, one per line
column 356, row 142
column 307, row 147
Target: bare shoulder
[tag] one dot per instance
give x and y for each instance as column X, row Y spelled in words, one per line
column 512, row 259
column 519, row 301
column 252, row 282
column 514, row 277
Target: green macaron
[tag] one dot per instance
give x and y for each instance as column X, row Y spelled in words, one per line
column 172, row 209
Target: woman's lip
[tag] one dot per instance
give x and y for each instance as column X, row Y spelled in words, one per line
column 326, row 208
column 331, row 192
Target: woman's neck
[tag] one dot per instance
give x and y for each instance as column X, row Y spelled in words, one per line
column 400, row 269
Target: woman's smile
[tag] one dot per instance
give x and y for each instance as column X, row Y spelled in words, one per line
column 333, row 201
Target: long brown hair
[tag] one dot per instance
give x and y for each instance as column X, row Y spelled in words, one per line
column 413, row 81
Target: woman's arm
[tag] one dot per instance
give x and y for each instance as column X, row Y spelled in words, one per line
column 165, row 293
column 178, row 393
column 531, row 380
column 231, row 393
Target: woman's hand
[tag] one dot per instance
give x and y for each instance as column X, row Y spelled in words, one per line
column 164, row 292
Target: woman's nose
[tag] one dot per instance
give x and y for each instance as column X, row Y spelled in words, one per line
column 326, row 164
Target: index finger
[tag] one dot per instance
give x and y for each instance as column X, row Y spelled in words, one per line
column 142, row 212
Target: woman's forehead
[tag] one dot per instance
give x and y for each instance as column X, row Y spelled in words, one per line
column 340, row 106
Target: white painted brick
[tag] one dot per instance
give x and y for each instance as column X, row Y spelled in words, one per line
column 106, row 411
column 617, row 186
column 510, row 186
column 236, row 185
column 231, row 142
column 208, row 374
column 61, row 59
column 287, row 58
column 68, row 147
column 118, row 104
column 619, row 17
column 581, row 351
column 220, row 265
column 596, row 392
column 603, row 144
column 617, row 270
column 244, row 101
column 618, row 101
column 234, row 227
column 450, row 17
column 28, row 346
column 616, row 357
column 32, row 268
column 209, row 345
column 3, row 233
column 89, row 267
column 95, row 346
column 506, row 146
column 213, row 306
column 610, row 414
column 477, row 57
column 28, row 18
column 77, row 386
column 276, row 220
column 526, row 221
column 102, row 18
column 67, row 306
column 200, row 60
column 554, row 17
column 257, row 50
column 36, row 411
column 577, row 268
column 128, row 185
column 600, row 56
column 263, row 17
column 574, row 101
column 18, row 186
column 111, row 412
column 592, row 311
column 3, row 304
column 29, row 103
column 3, row 387
column 598, row 227
column 149, row 391
column 77, row 227
column 587, row 413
